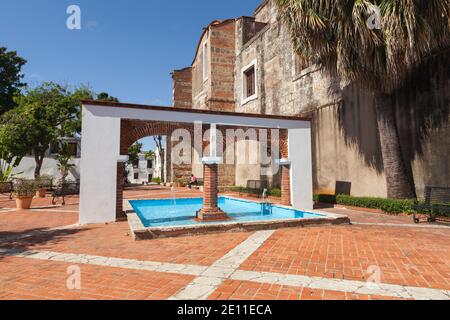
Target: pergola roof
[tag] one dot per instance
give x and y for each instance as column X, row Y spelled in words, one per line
column 171, row 114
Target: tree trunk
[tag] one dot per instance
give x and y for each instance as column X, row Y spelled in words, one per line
column 399, row 185
column 38, row 158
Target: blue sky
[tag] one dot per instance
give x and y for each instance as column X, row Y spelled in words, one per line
column 125, row 47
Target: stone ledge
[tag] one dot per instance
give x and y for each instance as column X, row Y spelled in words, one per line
column 140, row 232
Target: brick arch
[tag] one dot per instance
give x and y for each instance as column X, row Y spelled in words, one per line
column 134, row 130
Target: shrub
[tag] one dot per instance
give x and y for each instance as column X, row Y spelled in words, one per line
column 25, row 188
column 274, row 192
column 387, row 205
column 44, row 181
column 156, row 180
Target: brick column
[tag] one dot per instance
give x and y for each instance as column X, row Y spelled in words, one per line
column 285, row 186
column 285, row 170
column 210, row 210
column 120, row 215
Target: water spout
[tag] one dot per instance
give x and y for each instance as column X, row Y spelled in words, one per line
column 266, row 206
column 173, row 197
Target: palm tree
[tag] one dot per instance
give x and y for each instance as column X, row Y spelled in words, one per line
column 150, row 155
column 336, row 35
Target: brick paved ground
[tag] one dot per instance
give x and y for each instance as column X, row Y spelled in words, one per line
column 246, row 290
column 32, row 279
column 405, row 254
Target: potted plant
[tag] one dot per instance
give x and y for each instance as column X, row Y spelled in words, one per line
column 43, row 183
column 24, row 190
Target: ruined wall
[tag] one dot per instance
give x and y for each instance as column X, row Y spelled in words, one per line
column 222, row 42
column 182, row 88
column 201, row 89
column 217, row 91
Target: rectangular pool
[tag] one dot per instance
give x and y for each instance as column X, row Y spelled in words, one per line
column 182, row 212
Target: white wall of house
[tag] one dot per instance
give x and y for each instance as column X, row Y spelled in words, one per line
column 49, row 167
column 27, row 165
column 140, row 174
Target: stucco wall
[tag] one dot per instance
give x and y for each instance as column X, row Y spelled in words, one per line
column 49, row 167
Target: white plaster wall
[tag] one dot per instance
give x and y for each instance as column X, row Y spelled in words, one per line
column 100, row 151
column 301, row 168
column 49, row 167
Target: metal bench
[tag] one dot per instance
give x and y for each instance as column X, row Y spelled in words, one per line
column 437, row 202
column 7, row 188
column 66, row 189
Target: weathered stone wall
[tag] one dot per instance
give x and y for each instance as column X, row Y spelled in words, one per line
column 182, row 88
column 217, row 91
column 222, row 42
column 346, row 146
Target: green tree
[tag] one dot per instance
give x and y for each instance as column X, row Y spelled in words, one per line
column 133, row 152
column 336, row 35
column 42, row 115
column 150, row 155
column 10, row 78
column 63, row 158
column 104, row 96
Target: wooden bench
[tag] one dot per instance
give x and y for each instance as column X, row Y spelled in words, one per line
column 437, row 202
column 66, row 189
column 7, row 188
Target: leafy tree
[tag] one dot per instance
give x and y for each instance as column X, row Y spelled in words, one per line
column 133, row 152
column 64, row 156
column 42, row 115
column 103, row 96
column 335, row 35
column 10, row 78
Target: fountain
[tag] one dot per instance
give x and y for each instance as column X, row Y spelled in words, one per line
column 173, row 198
column 266, row 206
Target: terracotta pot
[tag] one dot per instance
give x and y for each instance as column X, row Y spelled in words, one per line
column 41, row 193
column 23, row 202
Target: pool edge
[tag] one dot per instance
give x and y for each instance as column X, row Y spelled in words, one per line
column 140, row 232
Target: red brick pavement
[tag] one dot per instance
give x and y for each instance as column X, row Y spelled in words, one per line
column 405, row 256
column 36, row 279
column 245, row 290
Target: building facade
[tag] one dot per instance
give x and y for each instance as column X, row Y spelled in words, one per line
column 143, row 170
column 248, row 65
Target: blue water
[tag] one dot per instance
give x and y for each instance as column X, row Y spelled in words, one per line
column 181, row 212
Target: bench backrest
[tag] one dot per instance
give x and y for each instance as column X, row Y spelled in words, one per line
column 437, row 195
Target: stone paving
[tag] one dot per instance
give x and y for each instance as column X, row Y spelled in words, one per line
column 331, row 262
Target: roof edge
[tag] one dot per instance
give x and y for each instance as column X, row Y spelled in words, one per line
column 173, row 109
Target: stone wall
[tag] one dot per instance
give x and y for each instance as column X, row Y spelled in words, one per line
column 182, row 88
column 345, row 142
column 217, row 91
